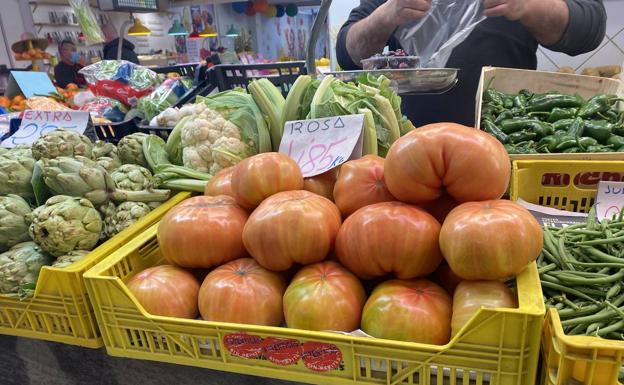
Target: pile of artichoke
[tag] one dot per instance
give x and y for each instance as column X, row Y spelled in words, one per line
column 64, row 195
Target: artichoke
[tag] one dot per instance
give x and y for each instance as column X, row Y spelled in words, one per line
column 105, row 154
column 82, row 177
column 123, row 216
column 20, row 266
column 14, row 221
column 65, row 224
column 130, row 149
column 16, row 169
column 132, row 177
column 61, row 142
column 69, row 258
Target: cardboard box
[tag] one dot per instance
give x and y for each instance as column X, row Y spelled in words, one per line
column 511, row 81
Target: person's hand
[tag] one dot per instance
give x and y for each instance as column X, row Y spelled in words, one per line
column 511, row 9
column 399, row 12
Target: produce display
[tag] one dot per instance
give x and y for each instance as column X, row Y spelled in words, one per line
column 283, row 256
column 60, row 198
column 528, row 123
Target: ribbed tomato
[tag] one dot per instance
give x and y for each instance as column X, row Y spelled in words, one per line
column 490, row 240
column 440, row 207
column 221, row 183
column 468, row 163
column 361, row 183
column 324, row 296
column 242, row 291
column 445, row 277
column 323, row 184
column 166, row 290
column 470, row 296
column 203, row 232
column 263, row 175
column 292, row 227
column 390, row 237
column 415, row 310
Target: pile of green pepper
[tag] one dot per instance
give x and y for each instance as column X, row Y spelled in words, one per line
column 582, row 273
column 529, row 123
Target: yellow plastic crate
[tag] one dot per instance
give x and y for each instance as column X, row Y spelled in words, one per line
column 60, row 309
column 562, row 184
column 498, row 346
column 578, row 359
column 572, row 186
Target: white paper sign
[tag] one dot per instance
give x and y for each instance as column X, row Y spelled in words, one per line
column 36, row 123
column 318, row 145
column 609, row 200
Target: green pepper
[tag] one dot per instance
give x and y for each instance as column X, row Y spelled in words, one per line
column 586, row 141
column 599, row 103
column 511, row 149
column 493, row 130
column 508, row 102
column 519, row 149
column 610, row 115
column 598, row 148
column 549, row 143
column 541, row 128
column 492, row 96
column 488, row 112
column 616, row 141
column 566, row 141
column 620, row 149
column 600, row 130
column 576, row 128
column 571, row 150
column 528, row 95
column 563, row 124
column 520, row 101
column 509, row 126
column 551, row 100
column 507, row 114
column 521, row 136
column 559, row 113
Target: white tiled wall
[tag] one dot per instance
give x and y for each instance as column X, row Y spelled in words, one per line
column 610, row 51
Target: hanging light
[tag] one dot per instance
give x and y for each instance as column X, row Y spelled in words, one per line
column 177, row 29
column 208, row 32
column 232, row 32
column 138, row 29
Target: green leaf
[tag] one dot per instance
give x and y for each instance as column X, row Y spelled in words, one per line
column 42, row 193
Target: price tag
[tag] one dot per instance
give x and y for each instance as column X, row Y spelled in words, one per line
column 609, row 200
column 36, row 123
column 318, row 145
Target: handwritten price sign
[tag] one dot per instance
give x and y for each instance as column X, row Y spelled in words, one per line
column 610, row 199
column 37, row 123
column 318, row 145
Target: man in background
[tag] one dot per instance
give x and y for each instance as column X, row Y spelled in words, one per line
column 66, row 71
column 111, row 45
column 509, row 37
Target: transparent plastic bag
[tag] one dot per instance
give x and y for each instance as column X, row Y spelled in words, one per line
column 448, row 24
column 87, row 21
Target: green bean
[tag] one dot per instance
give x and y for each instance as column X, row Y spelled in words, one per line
column 601, row 241
column 591, row 309
column 593, row 327
column 614, row 290
column 582, row 232
column 601, row 255
column 611, row 328
column 568, row 290
column 578, row 329
column 547, row 268
column 603, row 315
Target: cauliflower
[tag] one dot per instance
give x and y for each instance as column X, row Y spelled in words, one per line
column 219, row 131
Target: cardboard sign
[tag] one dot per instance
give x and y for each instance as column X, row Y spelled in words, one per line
column 36, row 123
column 548, row 216
column 318, row 145
column 29, row 84
column 609, row 200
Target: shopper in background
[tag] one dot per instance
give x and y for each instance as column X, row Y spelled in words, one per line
column 112, row 43
column 509, row 37
column 66, row 71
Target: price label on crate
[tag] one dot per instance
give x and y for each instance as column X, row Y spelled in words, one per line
column 609, row 200
column 318, row 145
column 37, row 123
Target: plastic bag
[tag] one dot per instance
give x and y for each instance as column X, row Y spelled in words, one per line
column 103, row 107
column 120, row 80
column 448, row 24
column 87, row 21
column 166, row 95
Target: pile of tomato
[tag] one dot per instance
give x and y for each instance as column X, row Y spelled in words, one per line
column 407, row 248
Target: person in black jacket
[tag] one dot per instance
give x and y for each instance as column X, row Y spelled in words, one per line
column 509, row 37
column 112, row 43
column 66, row 71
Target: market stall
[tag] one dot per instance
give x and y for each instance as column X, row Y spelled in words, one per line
column 269, row 219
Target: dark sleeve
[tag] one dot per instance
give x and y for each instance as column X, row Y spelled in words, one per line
column 586, row 28
column 130, row 56
column 365, row 8
column 62, row 76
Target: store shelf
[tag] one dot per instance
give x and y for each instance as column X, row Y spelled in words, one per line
column 56, row 25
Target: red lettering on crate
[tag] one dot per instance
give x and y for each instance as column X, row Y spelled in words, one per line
column 282, row 351
column 321, row 357
column 243, row 345
column 555, row 179
column 592, row 178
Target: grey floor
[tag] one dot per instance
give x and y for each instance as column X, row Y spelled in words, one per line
column 25, row 361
